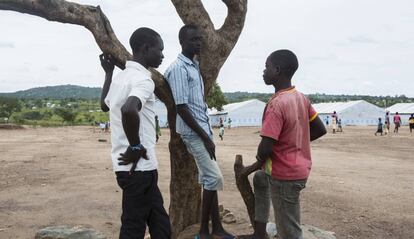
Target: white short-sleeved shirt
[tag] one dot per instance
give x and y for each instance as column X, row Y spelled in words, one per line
column 135, row 80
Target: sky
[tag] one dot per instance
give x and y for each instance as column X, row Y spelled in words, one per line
column 343, row 46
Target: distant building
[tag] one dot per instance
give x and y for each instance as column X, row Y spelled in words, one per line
column 359, row 112
column 246, row 113
column 403, row 109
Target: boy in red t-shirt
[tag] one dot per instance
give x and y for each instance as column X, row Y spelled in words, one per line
column 289, row 124
column 397, row 122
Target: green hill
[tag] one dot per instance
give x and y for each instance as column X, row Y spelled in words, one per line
column 57, row 92
column 80, row 92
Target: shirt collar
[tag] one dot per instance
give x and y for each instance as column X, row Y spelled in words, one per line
column 137, row 66
column 187, row 60
column 287, row 90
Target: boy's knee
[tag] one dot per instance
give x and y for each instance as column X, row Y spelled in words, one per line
column 260, row 179
column 219, row 181
column 215, row 182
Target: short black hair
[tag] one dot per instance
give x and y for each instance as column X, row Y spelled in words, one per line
column 183, row 31
column 141, row 36
column 286, row 60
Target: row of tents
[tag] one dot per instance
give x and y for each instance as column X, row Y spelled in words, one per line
column 250, row 112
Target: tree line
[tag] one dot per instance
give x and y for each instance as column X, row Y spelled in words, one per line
column 72, row 111
column 380, row 101
column 51, row 112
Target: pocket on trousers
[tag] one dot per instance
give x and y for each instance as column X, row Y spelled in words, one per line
column 291, row 191
column 122, row 180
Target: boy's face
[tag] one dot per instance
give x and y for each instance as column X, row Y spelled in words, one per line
column 270, row 73
column 192, row 41
column 154, row 54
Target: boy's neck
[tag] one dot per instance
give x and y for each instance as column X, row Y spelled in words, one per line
column 282, row 85
column 140, row 60
column 188, row 55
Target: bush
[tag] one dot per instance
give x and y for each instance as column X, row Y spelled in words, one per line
column 32, row 115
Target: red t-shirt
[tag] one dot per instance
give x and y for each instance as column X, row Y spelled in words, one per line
column 397, row 119
column 286, row 119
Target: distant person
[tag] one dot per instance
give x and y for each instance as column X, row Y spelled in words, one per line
column 339, row 125
column 157, row 129
column 229, row 123
column 221, row 121
column 334, row 124
column 327, row 121
column 289, row 124
column 221, row 131
column 106, row 127
column 334, row 115
column 397, row 122
column 130, row 99
column 193, row 125
column 102, row 126
column 411, row 123
column 379, row 127
column 387, row 122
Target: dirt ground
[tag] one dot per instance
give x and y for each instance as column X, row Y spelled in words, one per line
column 361, row 186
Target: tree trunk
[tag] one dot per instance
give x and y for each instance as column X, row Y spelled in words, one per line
column 184, row 189
column 185, row 193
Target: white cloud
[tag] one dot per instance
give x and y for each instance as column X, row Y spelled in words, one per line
column 6, row 45
column 53, row 68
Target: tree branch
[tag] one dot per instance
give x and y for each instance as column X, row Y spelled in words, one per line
column 96, row 22
column 67, row 12
column 193, row 12
column 234, row 23
column 242, row 181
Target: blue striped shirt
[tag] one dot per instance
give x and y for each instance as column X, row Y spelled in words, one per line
column 187, row 87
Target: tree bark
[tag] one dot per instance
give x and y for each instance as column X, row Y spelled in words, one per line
column 242, row 181
column 184, row 189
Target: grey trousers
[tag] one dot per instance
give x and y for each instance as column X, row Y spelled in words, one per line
column 285, row 200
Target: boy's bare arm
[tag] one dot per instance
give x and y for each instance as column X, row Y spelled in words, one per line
column 317, row 129
column 185, row 114
column 264, row 151
column 108, row 65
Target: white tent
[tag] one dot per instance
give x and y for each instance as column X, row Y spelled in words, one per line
column 403, row 109
column 357, row 112
column 246, row 113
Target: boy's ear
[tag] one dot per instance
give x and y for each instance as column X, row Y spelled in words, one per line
column 277, row 70
column 145, row 49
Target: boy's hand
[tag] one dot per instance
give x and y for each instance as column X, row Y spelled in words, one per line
column 132, row 156
column 211, row 148
column 260, row 160
column 108, row 62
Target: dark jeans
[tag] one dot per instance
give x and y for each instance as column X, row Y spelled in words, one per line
column 142, row 205
column 285, row 196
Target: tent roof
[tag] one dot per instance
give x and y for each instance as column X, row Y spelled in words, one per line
column 329, row 108
column 405, row 108
column 236, row 106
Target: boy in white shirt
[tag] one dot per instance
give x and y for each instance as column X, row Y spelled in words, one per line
column 130, row 99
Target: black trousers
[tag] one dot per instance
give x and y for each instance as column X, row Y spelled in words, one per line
column 142, row 205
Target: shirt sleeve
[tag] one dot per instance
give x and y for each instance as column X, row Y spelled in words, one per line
column 273, row 122
column 142, row 89
column 107, row 99
column 312, row 113
column 177, row 78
